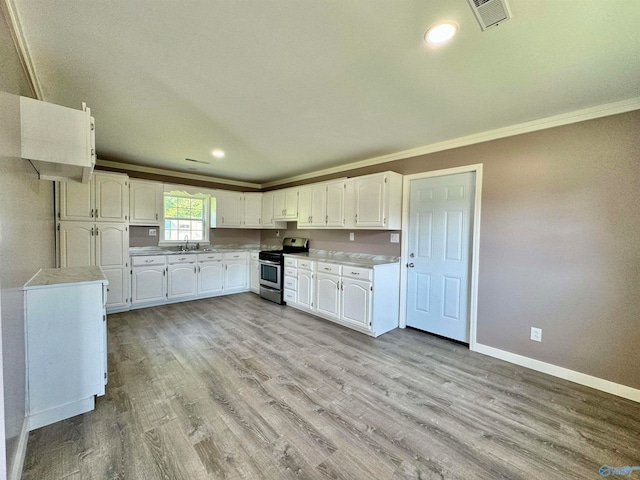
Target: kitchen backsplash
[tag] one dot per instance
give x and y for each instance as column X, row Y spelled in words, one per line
column 139, row 236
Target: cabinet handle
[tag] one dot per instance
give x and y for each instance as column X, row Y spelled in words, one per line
column 96, row 231
column 148, row 261
column 338, row 285
column 326, row 219
column 194, row 269
column 92, row 213
column 92, row 231
column 355, row 273
column 96, row 213
column 327, row 268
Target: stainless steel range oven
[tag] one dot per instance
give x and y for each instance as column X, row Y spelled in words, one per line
column 271, row 267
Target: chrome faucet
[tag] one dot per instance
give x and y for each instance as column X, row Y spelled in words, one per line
column 186, row 243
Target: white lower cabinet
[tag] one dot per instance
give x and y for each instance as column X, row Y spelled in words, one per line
column 365, row 299
column 66, row 338
column 210, row 274
column 148, row 280
column 254, row 273
column 157, row 279
column 182, row 277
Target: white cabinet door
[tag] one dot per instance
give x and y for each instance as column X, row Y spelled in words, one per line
column 252, row 210
column 112, row 197
column 229, row 206
column 182, row 281
column 254, row 274
column 235, row 275
column 76, row 201
column 285, row 204
column 370, row 196
column 356, row 302
column 267, row 210
column 77, row 244
column 118, row 288
column 210, row 276
column 305, row 289
column 318, row 205
column 335, row 215
column 112, row 255
column 304, row 207
column 145, row 202
column 148, row 285
column 328, row 295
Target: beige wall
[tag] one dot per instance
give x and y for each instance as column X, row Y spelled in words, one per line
column 373, row 242
column 560, row 243
column 139, row 237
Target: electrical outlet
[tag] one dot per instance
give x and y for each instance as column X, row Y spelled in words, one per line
column 395, row 238
column 153, row 232
column 277, row 233
column 536, row 334
column 352, row 237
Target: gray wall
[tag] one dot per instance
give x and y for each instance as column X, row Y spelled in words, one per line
column 26, row 240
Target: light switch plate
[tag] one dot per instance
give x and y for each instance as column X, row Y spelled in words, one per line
column 352, row 237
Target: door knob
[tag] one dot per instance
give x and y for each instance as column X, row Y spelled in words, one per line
column 410, row 265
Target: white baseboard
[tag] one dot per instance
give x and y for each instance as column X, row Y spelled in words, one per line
column 561, row 372
column 18, row 461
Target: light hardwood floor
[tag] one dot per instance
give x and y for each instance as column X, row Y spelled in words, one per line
column 237, row 387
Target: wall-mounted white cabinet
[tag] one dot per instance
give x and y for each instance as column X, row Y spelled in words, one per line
column 83, row 244
column 285, row 204
column 322, row 205
column 229, row 209
column 378, row 201
column 268, row 215
column 252, row 210
column 145, row 202
column 104, row 199
column 59, row 141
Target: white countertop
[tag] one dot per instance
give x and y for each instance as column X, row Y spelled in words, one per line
column 344, row 258
column 62, row 276
column 136, row 251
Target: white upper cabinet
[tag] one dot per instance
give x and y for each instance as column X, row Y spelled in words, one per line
column 145, row 202
column 229, row 209
column 268, row 218
column 252, row 210
column 321, row 205
column 285, row 204
column 378, row 201
column 104, row 199
column 59, row 141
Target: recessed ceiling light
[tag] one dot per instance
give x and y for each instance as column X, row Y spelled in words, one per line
column 441, row 33
column 218, row 153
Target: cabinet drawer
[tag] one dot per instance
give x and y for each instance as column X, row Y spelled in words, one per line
column 148, row 260
column 176, row 259
column 290, row 296
column 236, row 255
column 306, row 264
column 331, row 268
column 292, row 272
column 209, row 257
column 290, row 262
column 290, row 283
column 357, row 272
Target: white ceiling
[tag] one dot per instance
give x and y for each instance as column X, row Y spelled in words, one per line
column 288, row 87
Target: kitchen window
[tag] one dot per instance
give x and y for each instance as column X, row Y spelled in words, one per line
column 185, row 217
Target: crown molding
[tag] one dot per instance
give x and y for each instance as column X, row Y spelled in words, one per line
column 518, row 129
column 20, row 42
column 174, row 173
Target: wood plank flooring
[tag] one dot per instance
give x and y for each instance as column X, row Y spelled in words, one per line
column 239, row 388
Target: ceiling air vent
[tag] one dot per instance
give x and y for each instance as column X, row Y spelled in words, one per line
column 490, row 13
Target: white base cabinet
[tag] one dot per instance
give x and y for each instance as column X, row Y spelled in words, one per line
column 364, row 299
column 66, row 340
column 182, row 277
column 148, row 280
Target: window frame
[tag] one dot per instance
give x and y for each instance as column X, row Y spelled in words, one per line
column 205, row 218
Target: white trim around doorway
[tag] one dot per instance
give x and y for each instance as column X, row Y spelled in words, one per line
column 475, row 245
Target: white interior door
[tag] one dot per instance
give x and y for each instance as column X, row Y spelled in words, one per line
column 438, row 254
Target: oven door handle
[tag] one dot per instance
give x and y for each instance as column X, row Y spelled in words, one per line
column 266, row 262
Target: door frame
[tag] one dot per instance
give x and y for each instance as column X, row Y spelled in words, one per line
column 475, row 243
